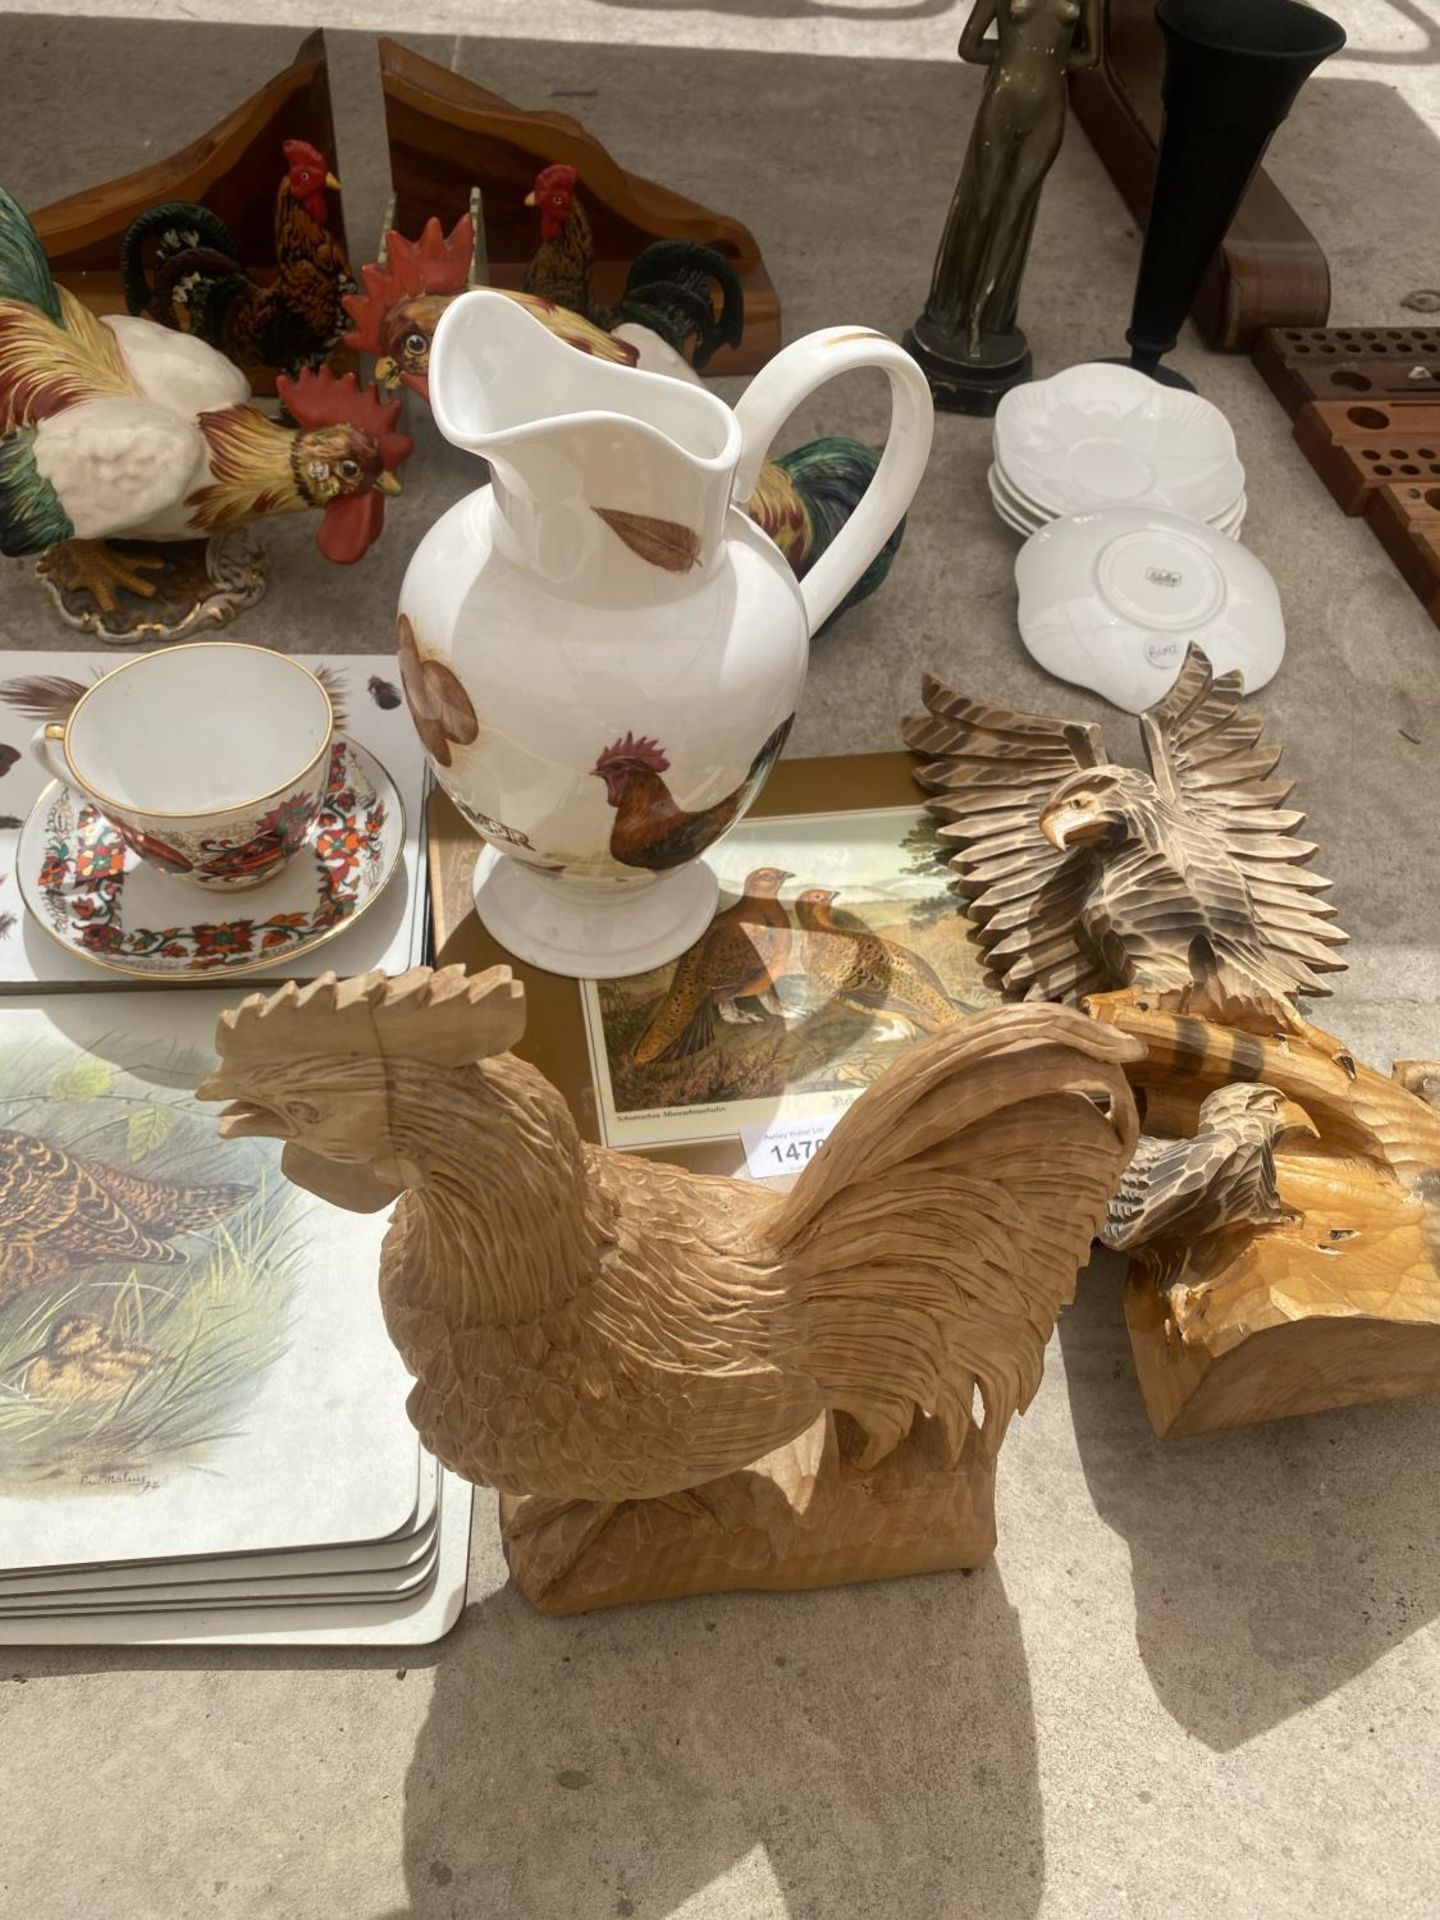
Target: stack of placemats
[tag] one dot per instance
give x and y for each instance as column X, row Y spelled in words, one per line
column 203, row 1434
column 1366, row 407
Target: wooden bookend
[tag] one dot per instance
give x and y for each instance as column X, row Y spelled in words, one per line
column 449, row 135
column 1269, row 271
column 680, row 1383
column 234, row 169
column 1337, row 1300
column 1389, row 364
column 1358, row 446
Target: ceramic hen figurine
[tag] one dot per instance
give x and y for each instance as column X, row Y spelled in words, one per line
column 1084, row 876
column 122, row 428
column 198, row 285
column 598, row 1332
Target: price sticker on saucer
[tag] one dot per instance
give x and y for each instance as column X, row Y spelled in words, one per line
column 1164, row 653
column 784, row 1146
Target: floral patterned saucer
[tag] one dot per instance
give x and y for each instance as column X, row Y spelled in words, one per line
column 95, row 898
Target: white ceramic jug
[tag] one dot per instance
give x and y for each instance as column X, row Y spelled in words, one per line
column 602, row 653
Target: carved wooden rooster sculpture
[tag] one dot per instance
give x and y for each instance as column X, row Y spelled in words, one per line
column 592, row 1328
column 1084, row 876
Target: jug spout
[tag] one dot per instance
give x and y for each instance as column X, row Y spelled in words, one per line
column 584, row 453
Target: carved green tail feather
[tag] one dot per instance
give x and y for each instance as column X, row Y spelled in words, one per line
column 830, row 475
column 24, row 270
column 31, row 516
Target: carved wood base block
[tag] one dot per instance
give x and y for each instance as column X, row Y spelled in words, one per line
column 1246, row 1350
column 1334, row 1307
column 805, row 1516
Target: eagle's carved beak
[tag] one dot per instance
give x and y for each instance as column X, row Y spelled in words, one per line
column 1295, row 1125
column 1065, row 827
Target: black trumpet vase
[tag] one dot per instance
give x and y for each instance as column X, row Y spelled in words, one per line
column 1232, row 71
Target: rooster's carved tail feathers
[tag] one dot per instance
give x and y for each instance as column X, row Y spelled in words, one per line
column 937, row 1234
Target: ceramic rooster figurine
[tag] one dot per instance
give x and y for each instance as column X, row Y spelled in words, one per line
column 407, row 290
column 615, row 1342
column 667, row 311
column 1085, row 876
column 121, row 428
column 198, row 285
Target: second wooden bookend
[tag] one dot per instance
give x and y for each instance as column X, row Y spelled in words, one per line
column 448, row 135
column 1279, row 1211
column 685, row 1384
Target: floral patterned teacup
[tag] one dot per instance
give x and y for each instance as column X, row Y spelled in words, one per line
column 209, row 760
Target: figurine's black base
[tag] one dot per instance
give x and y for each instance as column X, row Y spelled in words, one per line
column 1162, row 375
column 962, row 386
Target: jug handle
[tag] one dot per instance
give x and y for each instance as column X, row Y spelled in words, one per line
column 773, row 395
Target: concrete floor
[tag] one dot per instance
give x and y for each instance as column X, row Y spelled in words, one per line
column 1198, row 1680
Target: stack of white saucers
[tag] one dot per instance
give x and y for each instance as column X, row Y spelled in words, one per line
column 1098, row 436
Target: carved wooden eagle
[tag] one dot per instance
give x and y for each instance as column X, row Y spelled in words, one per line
column 1177, row 1193
column 1084, row 877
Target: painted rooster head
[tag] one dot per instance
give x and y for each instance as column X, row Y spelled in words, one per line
column 344, row 457
column 626, row 758
column 405, row 294
column 308, row 177
column 552, row 193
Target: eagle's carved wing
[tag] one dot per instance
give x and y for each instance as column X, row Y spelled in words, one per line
column 1164, row 1182
column 989, row 772
column 1210, row 759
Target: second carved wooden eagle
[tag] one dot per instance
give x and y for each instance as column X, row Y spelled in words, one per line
column 1083, row 876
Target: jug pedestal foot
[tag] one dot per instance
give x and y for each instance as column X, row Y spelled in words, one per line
column 592, row 936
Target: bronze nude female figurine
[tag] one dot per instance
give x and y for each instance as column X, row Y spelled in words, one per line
column 967, row 339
